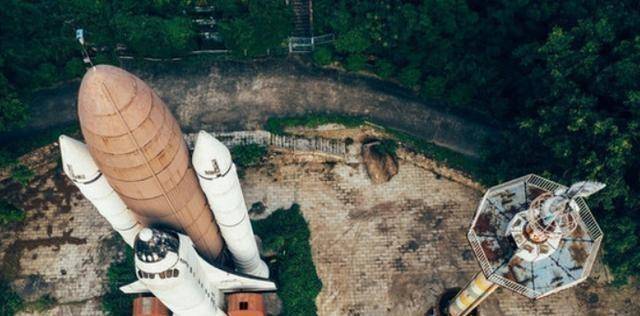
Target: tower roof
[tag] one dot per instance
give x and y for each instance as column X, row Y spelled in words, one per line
column 568, row 264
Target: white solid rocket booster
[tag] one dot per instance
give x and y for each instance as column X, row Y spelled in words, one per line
column 219, row 181
column 84, row 173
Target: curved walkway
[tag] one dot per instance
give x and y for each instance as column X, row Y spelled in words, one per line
column 225, row 96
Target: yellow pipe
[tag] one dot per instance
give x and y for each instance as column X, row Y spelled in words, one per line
column 476, row 291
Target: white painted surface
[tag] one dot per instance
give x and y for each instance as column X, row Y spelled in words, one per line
column 80, row 167
column 219, row 181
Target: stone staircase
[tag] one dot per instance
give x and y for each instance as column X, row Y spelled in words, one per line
column 301, row 37
column 301, row 18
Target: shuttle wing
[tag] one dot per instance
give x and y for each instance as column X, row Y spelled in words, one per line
column 230, row 282
column 134, row 288
column 227, row 281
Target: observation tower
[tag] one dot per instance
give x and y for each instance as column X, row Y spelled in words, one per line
column 532, row 236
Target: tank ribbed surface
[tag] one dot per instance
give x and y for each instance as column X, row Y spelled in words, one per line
column 138, row 146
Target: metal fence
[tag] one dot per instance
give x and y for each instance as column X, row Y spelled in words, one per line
column 328, row 146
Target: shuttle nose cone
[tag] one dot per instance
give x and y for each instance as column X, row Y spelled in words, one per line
column 77, row 163
column 211, row 158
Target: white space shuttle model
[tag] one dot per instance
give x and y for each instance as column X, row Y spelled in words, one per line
column 166, row 262
column 180, row 215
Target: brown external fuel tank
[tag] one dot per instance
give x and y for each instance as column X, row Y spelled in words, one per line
column 137, row 144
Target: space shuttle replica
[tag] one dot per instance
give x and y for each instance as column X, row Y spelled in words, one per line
column 183, row 217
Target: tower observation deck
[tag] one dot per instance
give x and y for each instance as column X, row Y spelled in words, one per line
column 532, row 236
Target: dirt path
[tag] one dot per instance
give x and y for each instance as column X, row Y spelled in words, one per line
column 234, row 95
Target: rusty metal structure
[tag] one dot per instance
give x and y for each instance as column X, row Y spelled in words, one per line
column 532, row 236
column 138, row 146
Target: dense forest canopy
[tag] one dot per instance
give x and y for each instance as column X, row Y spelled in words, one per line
column 559, row 77
column 38, row 47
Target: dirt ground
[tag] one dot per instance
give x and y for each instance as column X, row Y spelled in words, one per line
column 224, row 96
column 388, row 249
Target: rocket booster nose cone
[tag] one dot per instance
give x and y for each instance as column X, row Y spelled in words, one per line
column 211, row 158
column 77, row 163
column 104, row 87
column 145, row 234
column 156, row 250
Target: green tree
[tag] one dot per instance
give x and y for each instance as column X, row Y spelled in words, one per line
column 354, row 41
column 151, row 36
column 263, row 26
column 285, row 232
column 384, row 68
column 13, row 113
column 10, row 214
column 114, row 302
column 10, row 301
column 409, row 76
column 355, row 62
column 322, row 56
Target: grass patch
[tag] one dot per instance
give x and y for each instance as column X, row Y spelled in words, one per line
column 285, row 232
column 448, row 157
column 120, row 273
column 42, row 304
column 10, row 214
column 277, row 125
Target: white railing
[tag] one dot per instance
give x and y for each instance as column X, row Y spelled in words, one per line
column 333, row 147
column 306, row 44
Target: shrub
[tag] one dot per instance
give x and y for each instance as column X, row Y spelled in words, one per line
column 22, row 174
column 286, row 233
column 10, row 214
column 384, row 68
column 354, row 41
column 74, row 68
column 43, row 303
column 387, row 146
column 10, row 301
column 247, row 155
column 45, row 75
column 409, row 76
column 114, row 302
column 170, row 37
column 355, row 62
column 322, row 56
column 434, row 87
column 13, row 113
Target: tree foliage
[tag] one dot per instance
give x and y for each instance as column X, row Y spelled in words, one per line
column 38, row 46
column 561, row 77
column 286, row 233
column 10, row 301
column 10, row 214
column 254, row 27
column 121, row 272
